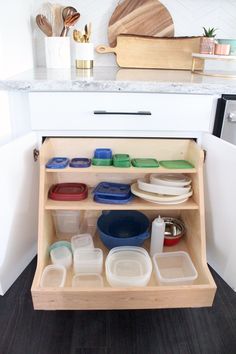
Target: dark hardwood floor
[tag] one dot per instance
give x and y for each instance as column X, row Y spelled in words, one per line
column 178, row 331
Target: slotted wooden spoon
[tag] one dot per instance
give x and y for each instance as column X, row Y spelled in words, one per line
column 44, row 25
column 69, row 22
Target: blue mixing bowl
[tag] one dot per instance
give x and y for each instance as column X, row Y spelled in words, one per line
column 123, row 228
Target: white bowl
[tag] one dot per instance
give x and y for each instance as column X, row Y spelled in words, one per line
column 161, row 189
column 128, row 267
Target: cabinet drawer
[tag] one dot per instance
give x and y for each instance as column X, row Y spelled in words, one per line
column 200, row 293
column 159, row 112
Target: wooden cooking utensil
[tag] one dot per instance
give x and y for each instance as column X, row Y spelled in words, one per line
column 69, row 22
column 140, row 17
column 153, row 53
column 44, row 25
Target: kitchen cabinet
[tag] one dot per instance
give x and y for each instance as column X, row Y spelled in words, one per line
column 201, row 293
column 167, row 112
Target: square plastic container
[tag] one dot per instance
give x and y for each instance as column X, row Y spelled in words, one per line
column 174, row 268
column 82, row 241
column 88, row 260
column 87, row 281
column 128, row 266
column 90, row 221
column 62, row 256
column 67, row 223
column 103, row 153
column 54, row 276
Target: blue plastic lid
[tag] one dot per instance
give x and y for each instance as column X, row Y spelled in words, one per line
column 58, row 162
column 80, row 162
column 113, row 200
column 102, row 153
column 113, row 190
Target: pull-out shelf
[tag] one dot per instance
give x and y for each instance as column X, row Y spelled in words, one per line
column 200, row 293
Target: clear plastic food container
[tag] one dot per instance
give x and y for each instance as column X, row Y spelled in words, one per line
column 87, row 281
column 82, row 241
column 128, row 266
column 67, row 223
column 62, row 256
column 174, row 268
column 88, row 260
column 54, row 276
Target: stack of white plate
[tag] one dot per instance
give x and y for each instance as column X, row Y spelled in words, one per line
column 164, row 188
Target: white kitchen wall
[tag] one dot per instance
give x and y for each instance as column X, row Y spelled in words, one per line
column 189, row 17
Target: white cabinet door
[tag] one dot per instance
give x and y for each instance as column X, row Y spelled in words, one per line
column 18, row 208
column 220, row 191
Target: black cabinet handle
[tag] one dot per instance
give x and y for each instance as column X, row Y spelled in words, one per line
column 138, row 113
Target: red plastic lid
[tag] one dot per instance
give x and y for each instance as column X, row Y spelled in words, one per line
column 68, row 191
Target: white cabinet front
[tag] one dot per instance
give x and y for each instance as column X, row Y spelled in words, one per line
column 220, row 191
column 130, row 112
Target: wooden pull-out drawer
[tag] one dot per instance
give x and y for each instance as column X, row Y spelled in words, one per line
column 200, row 293
column 96, row 111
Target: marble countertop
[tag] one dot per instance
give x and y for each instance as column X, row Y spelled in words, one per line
column 113, row 79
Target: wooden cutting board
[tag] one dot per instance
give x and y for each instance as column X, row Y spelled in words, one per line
column 140, row 17
column 154, row 53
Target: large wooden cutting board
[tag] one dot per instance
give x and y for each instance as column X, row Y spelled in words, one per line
column 154, row 53
column 140, row 17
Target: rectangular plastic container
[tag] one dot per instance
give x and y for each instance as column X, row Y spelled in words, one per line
column 174, row 268
column 67, row 223
column 88, row 260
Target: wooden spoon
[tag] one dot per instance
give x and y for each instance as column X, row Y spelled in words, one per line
column 44, row 25
column 69, row 22
column 68, row 11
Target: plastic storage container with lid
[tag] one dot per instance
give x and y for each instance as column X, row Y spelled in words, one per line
column 68, row 191
column 103, row 153
column 88, row 260
column 128, row 266
column 54, row 276
column 62, row 256
column 80, row 162
column 112, row 193
column 91, row 280
column 174, row 268
column 57, row 163
column 67, row 223
column 81, row 241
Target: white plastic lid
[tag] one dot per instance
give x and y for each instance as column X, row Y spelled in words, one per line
column 170, row 179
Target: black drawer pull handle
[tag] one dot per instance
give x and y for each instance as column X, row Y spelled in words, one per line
column 138, row 113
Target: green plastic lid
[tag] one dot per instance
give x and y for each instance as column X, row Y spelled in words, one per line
column 175, row 164
column 121, row 157
column 101, row 162
column 142, row 162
